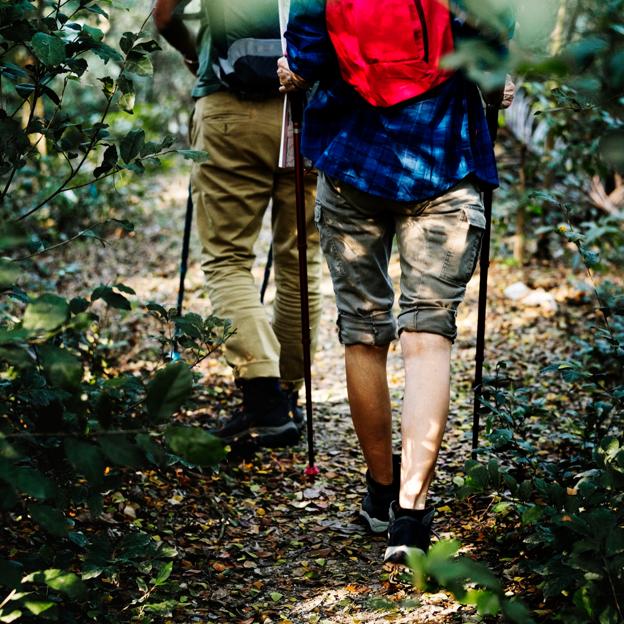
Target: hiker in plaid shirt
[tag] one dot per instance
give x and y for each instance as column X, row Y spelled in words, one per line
column 414, row 172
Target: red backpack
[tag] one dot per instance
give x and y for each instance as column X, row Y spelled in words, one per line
column 390, row 50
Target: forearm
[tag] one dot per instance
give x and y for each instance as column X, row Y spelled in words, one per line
column 171, row 26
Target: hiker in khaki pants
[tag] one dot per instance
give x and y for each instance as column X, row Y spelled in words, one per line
column 240, row 128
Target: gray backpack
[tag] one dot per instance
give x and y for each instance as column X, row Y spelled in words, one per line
column 246, row 45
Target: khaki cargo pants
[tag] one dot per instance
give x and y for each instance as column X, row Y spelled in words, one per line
column 231, row 192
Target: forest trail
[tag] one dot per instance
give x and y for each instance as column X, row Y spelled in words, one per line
column 258, row 542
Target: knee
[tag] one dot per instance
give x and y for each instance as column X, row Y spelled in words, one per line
column 415, row 344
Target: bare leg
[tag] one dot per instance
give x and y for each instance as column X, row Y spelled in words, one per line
column 369, row 400
column 425, row 410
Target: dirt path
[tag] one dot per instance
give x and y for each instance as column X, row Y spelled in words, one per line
column 257, row 542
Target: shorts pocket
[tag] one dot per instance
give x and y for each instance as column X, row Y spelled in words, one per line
column 462, row 253
column 318, row 213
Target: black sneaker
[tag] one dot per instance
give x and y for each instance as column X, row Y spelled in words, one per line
column 272, row 427
column 376, row 502
column 410, row 530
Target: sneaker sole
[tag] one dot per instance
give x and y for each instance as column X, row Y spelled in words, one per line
column 399, row 555
column 375, row 525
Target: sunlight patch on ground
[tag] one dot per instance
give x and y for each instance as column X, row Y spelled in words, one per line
column 359, row 604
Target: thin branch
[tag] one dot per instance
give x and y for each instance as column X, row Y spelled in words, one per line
column 94, row 180
column 61, row 244
column 91, row 145
column 59, row 6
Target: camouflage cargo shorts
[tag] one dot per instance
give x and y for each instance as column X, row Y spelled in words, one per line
column 438, row 242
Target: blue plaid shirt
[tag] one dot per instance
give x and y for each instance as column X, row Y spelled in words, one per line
column 409, row 152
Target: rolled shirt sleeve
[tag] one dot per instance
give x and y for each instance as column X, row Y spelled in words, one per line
column 310, row 52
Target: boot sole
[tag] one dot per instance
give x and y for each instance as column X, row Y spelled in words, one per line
column 276, row 437
column 270, row 437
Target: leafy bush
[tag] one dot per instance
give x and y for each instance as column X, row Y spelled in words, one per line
column 69, row 427
column 471, row 582
column 72, row 423
column 561, row 511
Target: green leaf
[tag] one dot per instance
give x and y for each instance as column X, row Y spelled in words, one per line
column 109, row 161
column 95, row 33
column 158, row 310
column 9, row 272
column 276, row 596
column 113, row 299
column 139, row 64
column 37, row 607
column 591, row 258
column 62, row 369
column 108, row 85
column 48, row 49
column 169, row 388
column 121, row 451
column 195, row 445
column 532, row 514
column 127, row 41
column 67, row 583
column 127, row 98
column 78, row 305
column 194, row 155
column 443, row 550
column 487, row 602
column 515, row 611
column 148, row 46
column 126, row 102
column 46, row 313
column 11, row 573
column 12, row 71
column 10, row 617
column 124, row 224
column 32, row 482
column 106, row 53
column 163, row 574
column 97, row 10
column 130, row 146
column 86, row 458
column 6, row 450
column 153, row 451
column 125, row 289
column 50, row 518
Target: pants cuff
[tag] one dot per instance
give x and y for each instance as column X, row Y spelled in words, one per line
column 439, row 321
column 375, row 330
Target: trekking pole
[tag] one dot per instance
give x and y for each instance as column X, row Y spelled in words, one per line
column 186, row 240
column 267, row 274
column 296, row 105
column 484, row 264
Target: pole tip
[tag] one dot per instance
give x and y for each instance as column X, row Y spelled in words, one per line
column 311, row 471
